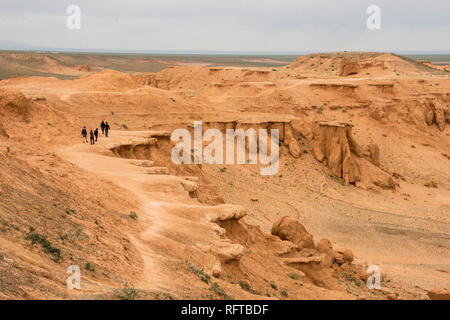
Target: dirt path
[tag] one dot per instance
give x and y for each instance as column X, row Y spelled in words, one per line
column 123, row 173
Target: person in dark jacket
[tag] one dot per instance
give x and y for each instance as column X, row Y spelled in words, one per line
column 102, row 125
column 92, row 137
column 96, row 134
column 84, row 134
column 107, row 127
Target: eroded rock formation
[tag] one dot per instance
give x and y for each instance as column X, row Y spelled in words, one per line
column 334, row 146
column 437, row 112
column 348, row 67
column 318, row 261
column 290, row 229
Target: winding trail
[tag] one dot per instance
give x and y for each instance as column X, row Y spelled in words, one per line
column 123, row 173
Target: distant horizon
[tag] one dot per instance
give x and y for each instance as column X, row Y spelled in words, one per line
column 9, row 46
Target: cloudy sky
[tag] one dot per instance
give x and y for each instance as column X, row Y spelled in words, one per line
column 228, row 25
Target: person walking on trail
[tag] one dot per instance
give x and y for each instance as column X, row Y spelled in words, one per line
column 107, row 127
column 92, row 137
column 96, row 134
column 103, row 125
column 84, row 134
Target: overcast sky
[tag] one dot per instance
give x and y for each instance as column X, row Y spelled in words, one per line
column 229, row 25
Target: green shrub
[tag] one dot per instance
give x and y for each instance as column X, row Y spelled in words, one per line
column 88, row 266
column 246, row 286
column 45, row 244
column 219, row 291
column 128, row 293
column 70, row 210
column 294, row 276
column 133, row 215
column 199, row 272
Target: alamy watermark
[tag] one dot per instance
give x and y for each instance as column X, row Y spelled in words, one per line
column 374, row 280
column 235, row 140
column 74, row 280
column 74, row 20
column 374, row 20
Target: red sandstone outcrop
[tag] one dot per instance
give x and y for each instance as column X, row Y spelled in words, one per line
column 290, row 229
column 318, row 261
column 438, row 113
column 334, row 146
column 348, row 67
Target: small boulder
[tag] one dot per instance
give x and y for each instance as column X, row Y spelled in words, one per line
column 189, row 186
column 228, row 252
column 339, row 259
column 292, row 230
column 347, row 255
column 294, row 148
column 325, row 246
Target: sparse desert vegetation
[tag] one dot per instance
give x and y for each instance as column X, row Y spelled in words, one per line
column 362, row 177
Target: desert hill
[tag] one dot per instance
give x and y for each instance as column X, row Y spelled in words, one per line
column 70, row 65
column 363, row 179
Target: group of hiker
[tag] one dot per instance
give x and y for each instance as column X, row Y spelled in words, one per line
column 94, row 133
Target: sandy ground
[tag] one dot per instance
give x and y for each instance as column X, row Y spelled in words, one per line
column 398, row 105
